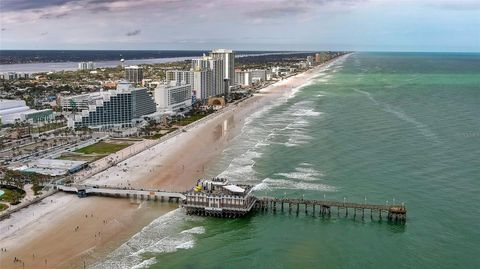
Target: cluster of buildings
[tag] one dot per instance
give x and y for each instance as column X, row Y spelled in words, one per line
column 129, row 105
column 126, row 104
column 209, row 76
column 14, row 75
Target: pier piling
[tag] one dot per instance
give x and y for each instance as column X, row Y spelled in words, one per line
column 395, row 213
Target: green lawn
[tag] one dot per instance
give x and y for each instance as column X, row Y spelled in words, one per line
column 102, row 148
column 73, row 156
column 12, row 196
column 3, row 206
column 189, row 119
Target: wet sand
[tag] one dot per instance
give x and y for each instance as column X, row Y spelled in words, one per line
column 176, row 164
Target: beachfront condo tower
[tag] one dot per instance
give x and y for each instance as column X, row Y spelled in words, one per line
column 172, row 98
column 228, row 57
column 217, row 68
column 122, row 107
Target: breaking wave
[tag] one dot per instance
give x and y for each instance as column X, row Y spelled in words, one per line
column 160, row 236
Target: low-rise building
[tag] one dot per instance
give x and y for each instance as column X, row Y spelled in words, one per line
column 51, row 167
column 217, row 197
column 258, row 75
column 12, row 111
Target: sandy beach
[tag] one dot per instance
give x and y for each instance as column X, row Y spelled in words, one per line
column 64, row 231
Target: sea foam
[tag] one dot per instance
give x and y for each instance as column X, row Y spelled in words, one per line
column 160, row 236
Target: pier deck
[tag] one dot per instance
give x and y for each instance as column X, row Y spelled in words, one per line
column 393, row 212
column 396, row 212
column 143, row 194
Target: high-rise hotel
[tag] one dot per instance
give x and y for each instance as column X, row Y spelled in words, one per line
column 228, row 58
column 209, row 76
column 123, row 107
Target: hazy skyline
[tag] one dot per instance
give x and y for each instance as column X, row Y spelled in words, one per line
column 428, row 25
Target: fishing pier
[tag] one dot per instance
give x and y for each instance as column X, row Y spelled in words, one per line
column 325, row 208
column 218, row 198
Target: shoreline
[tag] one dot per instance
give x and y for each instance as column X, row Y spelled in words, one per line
column 173, row 165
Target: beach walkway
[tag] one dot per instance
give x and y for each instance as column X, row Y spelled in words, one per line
column 142, row 194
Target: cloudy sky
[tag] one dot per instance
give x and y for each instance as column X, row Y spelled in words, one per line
column 378, row 25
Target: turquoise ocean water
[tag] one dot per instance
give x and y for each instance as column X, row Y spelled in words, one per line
column 375, row 126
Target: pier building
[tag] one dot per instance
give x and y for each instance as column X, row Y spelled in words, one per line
column 217, row 197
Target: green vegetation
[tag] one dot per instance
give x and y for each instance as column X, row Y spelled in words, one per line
column 12, row 195
column 189, row 119
column 37, row 189
column 159, row 135
column 72, row 156
column 3, row 207
column 48, row 127
column 19, row 178
column 102, row 148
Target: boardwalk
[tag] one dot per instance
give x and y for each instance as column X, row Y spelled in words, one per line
column 325, row 207
column 143, row 194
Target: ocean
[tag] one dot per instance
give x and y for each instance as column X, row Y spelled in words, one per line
column 375, row 127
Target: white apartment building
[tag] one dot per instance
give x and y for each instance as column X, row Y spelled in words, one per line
column 14, row 75
column 228, row 57
column 86, row 65
column 243, row 78
column 258, row 75
column 216, row 66
column 202, row 86
column 179, row 77
column 172, row 98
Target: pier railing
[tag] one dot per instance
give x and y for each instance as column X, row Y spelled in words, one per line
column 396, row 212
